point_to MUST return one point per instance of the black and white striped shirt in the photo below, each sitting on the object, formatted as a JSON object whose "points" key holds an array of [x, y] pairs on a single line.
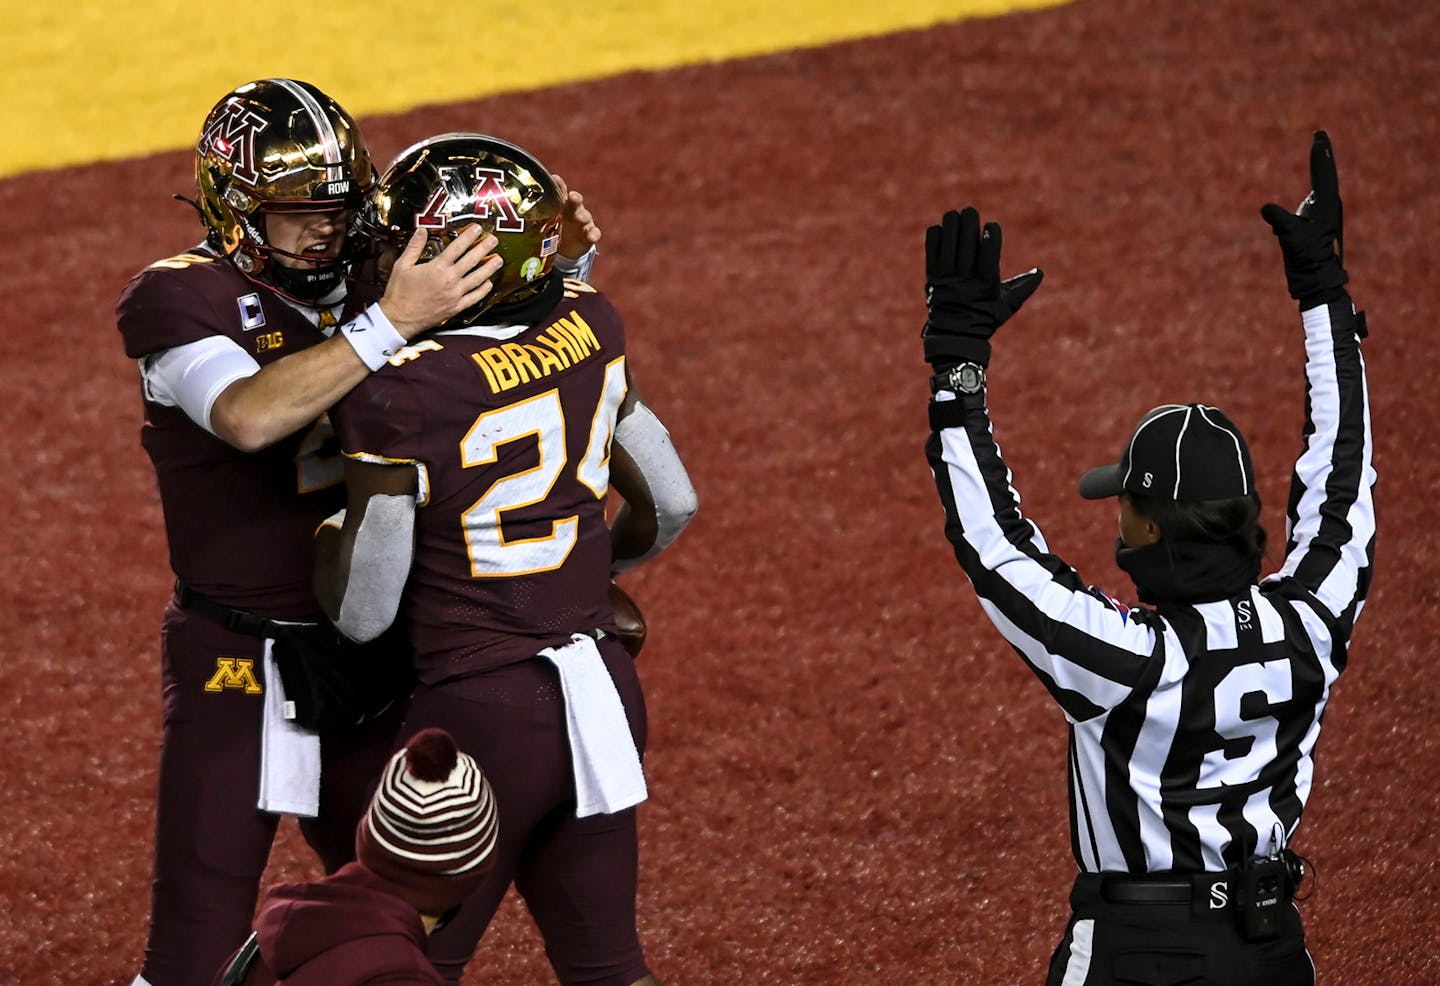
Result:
{"points": [[1192, 728]]}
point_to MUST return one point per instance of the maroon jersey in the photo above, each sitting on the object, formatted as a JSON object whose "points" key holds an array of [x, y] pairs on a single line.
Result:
{"points": [[512, 439], [240, 525]]}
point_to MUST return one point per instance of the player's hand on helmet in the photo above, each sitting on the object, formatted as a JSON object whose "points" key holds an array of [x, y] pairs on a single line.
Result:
{"points": [[964, 296], [423, 293], [1310, 237], [578, 232]]}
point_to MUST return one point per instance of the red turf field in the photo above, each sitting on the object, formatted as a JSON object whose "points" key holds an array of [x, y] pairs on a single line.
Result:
{"points": [[853, 781]]}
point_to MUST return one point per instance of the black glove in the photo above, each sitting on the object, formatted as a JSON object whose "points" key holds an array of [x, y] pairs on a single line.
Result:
{"points": [[1310, 238], [964, 295], [336, 683]]}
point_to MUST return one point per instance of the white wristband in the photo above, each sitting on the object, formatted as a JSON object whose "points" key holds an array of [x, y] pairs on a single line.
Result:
{"points": [[372, 337], [578, 268]]}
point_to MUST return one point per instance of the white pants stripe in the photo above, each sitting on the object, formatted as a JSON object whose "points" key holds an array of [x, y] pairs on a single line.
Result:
{"points": [[1077, 967]]}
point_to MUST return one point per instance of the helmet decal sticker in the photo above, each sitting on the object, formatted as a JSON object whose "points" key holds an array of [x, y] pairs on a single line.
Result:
{"points": [[232, 136], [490, 191], [489, 194], [531, 268], [433, 215]]}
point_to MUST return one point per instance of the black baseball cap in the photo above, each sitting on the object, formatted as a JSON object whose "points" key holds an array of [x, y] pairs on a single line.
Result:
{"points": [[1178, 452]]}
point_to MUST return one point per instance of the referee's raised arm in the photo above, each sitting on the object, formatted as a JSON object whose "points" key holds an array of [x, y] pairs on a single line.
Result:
{"points": [[1330, 518]]}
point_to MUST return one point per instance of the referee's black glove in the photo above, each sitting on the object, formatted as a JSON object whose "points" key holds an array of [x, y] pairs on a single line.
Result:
{"points": [[1310, 238], [964, 296]]}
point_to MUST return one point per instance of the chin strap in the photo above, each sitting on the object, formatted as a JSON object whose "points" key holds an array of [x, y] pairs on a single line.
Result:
{"points": [[191, 203], [305, 285]]}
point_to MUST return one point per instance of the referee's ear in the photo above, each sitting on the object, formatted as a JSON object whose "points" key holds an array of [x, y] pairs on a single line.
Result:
{"points": [[1136, 529]]}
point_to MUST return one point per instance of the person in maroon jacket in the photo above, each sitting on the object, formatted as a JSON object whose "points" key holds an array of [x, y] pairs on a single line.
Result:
{"points": [[242, 343], [422, 848], [480, 462]]}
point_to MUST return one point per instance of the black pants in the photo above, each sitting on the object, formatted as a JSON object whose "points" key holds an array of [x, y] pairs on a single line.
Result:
{"points": [[1172, 944]]}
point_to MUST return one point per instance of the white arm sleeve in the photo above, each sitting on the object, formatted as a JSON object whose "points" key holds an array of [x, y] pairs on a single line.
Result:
{"points": [[647, 442], [192, 376], [379, 566]]}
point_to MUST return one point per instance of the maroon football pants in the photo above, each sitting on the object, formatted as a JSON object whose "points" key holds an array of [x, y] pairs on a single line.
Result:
{"points": [[577, 876], [211, 842]]}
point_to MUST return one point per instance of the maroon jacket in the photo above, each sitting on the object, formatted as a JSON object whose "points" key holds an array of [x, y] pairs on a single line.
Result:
{"points": [[348, 929]]}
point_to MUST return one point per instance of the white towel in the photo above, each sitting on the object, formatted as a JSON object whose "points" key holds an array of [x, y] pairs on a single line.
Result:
{"points": [[608, 777], [289, 754]]}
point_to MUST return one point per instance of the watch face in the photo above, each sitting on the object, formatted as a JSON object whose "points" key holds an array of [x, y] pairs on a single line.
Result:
{"points": [[968, 378]]}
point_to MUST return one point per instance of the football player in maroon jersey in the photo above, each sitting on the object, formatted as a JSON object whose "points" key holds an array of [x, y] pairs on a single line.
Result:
{"points": [[242, 343], [479, 466]]}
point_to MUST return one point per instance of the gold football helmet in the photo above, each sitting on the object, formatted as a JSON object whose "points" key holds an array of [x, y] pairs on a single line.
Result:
{"points": [[452, 181], [276, 145]]}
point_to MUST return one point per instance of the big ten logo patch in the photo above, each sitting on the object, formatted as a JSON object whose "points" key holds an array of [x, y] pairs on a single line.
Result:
{"points": [[234, 672], [266, 341]]}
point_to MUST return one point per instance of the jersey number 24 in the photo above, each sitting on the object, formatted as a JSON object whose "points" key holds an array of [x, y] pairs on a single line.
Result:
{"points": [[492, 554]]}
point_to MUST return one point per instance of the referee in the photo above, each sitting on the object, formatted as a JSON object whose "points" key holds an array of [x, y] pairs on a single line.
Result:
{"points": [[1193, 719]]}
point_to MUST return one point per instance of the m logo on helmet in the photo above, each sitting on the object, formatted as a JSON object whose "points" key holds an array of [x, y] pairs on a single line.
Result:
{"points": [[487, 199], [490, 194], [231, 135]]}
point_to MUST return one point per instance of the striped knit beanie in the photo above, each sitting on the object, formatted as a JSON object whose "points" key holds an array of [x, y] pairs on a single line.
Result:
{"points": [[432, 824]]}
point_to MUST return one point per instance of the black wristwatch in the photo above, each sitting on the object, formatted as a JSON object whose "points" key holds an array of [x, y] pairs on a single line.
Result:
{"points": [[965, 378]]}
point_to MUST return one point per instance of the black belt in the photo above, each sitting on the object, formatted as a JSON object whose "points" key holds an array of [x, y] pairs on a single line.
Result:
{"points": [[235, 620], [1178, 888], [240, 621]]}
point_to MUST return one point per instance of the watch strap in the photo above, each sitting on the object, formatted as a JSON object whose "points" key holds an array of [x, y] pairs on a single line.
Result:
{"points": [[951, 379]]}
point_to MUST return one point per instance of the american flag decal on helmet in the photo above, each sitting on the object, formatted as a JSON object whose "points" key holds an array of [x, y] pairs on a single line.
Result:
{"points": [[550, 244]]}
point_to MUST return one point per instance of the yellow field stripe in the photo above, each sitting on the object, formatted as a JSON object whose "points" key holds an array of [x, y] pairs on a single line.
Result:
{"points": [[91, 80]]}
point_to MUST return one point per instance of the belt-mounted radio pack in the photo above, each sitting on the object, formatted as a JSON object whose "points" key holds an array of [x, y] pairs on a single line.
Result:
{"points": [[1261, 888]]}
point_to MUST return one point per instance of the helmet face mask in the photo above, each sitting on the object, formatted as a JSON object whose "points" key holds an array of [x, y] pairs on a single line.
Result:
{"points": [[448, 183], [270, 146]]}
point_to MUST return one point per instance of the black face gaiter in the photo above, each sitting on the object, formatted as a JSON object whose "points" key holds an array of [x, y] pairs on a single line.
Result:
{"points": [[1186, 571]]}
